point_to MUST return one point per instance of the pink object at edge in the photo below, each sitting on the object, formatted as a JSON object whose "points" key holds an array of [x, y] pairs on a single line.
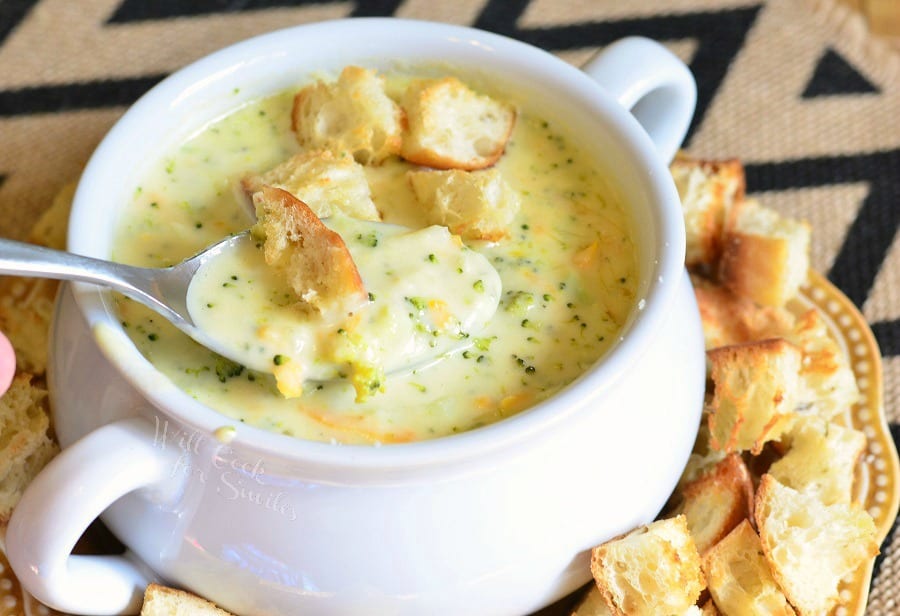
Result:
{"points": [[7, 363]]}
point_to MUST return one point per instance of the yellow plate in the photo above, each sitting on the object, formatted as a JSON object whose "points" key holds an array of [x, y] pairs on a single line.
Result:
{"points": [[877, 484]]}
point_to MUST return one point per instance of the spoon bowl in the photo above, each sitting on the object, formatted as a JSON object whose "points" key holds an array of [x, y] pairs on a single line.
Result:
{"points": [[164, 290]]}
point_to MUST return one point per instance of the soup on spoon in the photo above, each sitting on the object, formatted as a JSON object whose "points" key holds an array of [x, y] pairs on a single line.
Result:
{"points": [[380, 298]]}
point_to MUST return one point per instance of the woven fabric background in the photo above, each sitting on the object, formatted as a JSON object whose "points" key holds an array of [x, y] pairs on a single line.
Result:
{"points": [[797, 89]]}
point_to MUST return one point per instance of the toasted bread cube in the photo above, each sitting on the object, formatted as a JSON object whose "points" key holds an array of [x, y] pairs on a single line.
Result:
{"points": [[717, 501], [821, 460], [353, 115], [592, 604], [811, 546], [707, 190], [26, 310], [828, 384], [654, 569], [164, 601], [51, 228], [756, 388], [476, 205], [325, 181], [450, 126], [739, 578], [26, 446], [703, 457], [709, 609], [728, 319], [765, 257], [312, 257]]}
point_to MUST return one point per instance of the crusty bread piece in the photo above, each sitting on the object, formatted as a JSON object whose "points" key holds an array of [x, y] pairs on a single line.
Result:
{"points": [[828, 384], [26, 309], [703, 456], [821, 460], [450, 126], [476, 205], [51, 228], [810, 546], [325, 181], [312, 257], [739, 578], [25, 442], [717, 501], [756, 387], [592, 604], [709, 609], [707, 190], [765, 256], [353, 115], [164, 601], [654, 569], [728, 319]]}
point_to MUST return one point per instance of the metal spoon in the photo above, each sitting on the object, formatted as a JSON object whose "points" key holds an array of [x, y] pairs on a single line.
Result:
{"points": [[163, 290]]}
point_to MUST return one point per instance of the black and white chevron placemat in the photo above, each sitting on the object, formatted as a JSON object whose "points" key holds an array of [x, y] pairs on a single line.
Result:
{"points": [[794, 88]]}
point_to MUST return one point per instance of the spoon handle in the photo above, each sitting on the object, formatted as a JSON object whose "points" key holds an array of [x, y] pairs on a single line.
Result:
{"points": [[22, 259]]}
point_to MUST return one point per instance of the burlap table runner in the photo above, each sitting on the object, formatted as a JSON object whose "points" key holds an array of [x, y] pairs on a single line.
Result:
{"points": [[795, 88]]}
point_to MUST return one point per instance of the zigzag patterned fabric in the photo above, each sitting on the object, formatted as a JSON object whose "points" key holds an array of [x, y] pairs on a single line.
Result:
{"points": [[794, 88]]}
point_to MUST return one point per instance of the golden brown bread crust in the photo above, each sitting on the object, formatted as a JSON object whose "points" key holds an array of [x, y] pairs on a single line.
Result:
{"points": [[739, 578], [324, 181], [352, 115], [765, 256], [162, 600], [630, 587], [729, 319], [810, 547], [448, 126], [708, 189], [756, 386], [717, 501], [313, 257]]}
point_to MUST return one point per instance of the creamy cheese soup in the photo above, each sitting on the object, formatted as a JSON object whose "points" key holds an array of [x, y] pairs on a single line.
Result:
{"points": [[567, 271], [427, 294]]}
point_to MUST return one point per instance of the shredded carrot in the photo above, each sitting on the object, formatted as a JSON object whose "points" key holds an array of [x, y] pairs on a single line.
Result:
{"points": [[345, 423], [586, 256]]}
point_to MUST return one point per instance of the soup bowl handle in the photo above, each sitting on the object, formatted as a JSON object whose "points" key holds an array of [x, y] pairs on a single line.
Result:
{"points": [[652, 83], [61, 503]]}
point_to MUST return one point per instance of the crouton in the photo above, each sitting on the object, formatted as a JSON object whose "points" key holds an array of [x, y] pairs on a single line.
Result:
{"points": [[728, 319], [811, 546], [654, 569], [703, 457], [51, 228], [717, 501], [765, 257], [821, 460], [449, 126], [26, 309], [477, 205], [828, 384], [26, 445], [739, 578], [707, 190], [325, 181], [756, 387], [353, 115], [164, 601], [709, 609], [312, 257], [592, 604]]}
